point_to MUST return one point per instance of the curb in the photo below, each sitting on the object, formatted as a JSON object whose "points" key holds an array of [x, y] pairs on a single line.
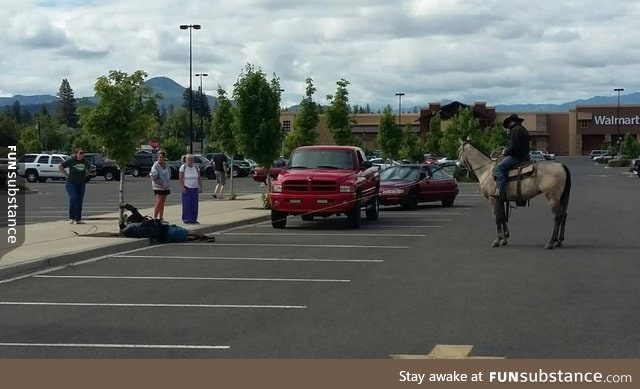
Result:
{"points": [[40, 264]]}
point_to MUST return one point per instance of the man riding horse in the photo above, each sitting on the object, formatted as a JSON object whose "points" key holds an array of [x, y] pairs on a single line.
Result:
{"points": [[517, 151]]}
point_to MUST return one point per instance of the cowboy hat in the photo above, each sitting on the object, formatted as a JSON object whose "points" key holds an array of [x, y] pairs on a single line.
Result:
{"points": [[512, 119]]}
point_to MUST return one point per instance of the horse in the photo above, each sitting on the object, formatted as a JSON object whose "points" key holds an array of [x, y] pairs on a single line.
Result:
{"points": [[549, 178]]}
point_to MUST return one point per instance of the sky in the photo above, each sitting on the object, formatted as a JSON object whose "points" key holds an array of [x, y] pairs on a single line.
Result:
{"points": [[498, 52]]}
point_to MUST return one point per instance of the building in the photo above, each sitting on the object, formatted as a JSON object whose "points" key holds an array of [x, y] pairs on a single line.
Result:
{"points": [[577, 132]]}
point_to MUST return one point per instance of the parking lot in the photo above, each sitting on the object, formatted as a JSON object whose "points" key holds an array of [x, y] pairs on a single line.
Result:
{"points": [[401, 285]]}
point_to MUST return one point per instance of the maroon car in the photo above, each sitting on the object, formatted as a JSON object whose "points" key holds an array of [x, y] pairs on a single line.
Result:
{"points": [[408, 185]]}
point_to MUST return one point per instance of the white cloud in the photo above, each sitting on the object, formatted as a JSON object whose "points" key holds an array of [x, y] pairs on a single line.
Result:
{"points": [[496, 51]]}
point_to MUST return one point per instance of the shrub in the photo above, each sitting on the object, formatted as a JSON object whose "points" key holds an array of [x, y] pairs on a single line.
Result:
{"points": [[622, 162]]}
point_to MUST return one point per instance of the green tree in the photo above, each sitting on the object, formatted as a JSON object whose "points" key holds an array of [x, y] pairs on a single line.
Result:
{"points": [[304, 126], [434, 138], [28, 141], [66, 106], [177, 125], [410, 148], [86, 141], [339, 121], [462, 126], [175, 148], [221, 132], [496, 137], [258, 130], [123, 116], [629, 146], [389, 134]]}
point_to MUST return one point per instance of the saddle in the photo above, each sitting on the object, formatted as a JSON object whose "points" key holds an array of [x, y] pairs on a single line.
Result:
{"points": [[519, 172]]}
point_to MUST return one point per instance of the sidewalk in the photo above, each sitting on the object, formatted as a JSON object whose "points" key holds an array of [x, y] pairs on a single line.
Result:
{"points": [[55, 243]]}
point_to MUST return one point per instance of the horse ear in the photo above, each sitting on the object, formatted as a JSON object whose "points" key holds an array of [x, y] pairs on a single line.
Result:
{"points": [[460, 141]]}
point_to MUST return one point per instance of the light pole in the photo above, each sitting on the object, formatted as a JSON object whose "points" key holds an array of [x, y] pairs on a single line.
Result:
{"points": [[201, 110], [400, 94], [618, 120], [282, 129], [190, 27]]}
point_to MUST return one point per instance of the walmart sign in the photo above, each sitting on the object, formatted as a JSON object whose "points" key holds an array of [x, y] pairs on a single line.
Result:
{"points": [[613, 120]]}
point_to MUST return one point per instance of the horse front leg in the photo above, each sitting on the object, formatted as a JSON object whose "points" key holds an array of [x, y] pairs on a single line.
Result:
{"points": [[563, 221], [498, 212], [505, 234]]}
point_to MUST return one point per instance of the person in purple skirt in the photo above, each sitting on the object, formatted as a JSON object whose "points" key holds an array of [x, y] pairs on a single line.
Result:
{"points": [[191, 185]]}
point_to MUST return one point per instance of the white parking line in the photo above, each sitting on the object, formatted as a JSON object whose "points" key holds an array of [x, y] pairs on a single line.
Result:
{"points": [[399, 226], [320, 233], [123, 305], [102, 345], [339, 246], [250, 258], [193, 278]]}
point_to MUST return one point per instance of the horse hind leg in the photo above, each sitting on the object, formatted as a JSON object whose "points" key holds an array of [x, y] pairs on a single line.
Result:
{"points": [[505, 234], [563, 221], [556, 231], [500, 236]]}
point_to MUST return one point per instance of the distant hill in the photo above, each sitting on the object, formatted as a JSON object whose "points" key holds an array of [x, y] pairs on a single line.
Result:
{"points": [[172, 93], [170, 90]]}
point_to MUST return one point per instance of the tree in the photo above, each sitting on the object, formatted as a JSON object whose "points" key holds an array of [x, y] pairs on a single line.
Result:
{"points": [[629, 146], [124, 114], [66, 106], [339, 121], [28, 141], [410, 149], [462, 126], [221, 132], [389, 134], [258, 130], [434, 138], [177, 125], [304, 126]]}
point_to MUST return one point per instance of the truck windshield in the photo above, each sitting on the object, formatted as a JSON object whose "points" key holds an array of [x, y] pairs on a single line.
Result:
{"points": [[323, 159]]}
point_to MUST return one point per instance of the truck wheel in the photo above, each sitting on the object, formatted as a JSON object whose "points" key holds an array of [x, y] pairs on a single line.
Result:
{"points": [[373, 211], [135, 172], [307, 218], [235, 172], [278, 219], [109, 175], [210, 174], [31, 175], [353, 216]]}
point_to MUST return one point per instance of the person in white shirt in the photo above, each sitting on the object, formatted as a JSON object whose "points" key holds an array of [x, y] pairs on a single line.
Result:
{"points": [[191, 185]]}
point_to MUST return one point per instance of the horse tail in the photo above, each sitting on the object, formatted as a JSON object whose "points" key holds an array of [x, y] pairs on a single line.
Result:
{"points": [[564, 198]]}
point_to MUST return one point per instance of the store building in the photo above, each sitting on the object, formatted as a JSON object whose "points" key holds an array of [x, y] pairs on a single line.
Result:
{"points": [[577, 132]]}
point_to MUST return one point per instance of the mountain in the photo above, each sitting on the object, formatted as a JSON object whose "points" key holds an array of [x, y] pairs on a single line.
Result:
{"points": [[632, 98], [171, 91], [27, 100]]}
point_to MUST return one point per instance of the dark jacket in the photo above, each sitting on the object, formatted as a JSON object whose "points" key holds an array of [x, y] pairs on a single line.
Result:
{"points": [[518, 146]]}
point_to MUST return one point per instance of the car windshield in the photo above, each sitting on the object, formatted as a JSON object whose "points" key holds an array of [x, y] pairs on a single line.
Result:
{"points": [[324, 159], [400, 173]]}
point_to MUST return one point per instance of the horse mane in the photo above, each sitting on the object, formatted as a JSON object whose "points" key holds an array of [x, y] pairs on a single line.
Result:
{"points": [[477, 148]]}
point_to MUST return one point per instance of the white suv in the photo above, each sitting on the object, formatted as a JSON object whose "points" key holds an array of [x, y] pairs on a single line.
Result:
{"points": [[39, 167]]}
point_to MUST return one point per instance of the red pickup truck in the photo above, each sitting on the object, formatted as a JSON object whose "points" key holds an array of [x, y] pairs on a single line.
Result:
{"points": [[325, 181]]}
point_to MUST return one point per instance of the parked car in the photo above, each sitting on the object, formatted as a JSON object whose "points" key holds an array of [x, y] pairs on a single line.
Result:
{"points": [[104, 167], [40, 167], [241, 168], [142, 163], [537, 156], [408, 185], [597, 153]]}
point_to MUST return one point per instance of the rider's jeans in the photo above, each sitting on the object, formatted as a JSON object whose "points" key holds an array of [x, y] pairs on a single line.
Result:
{"points": [[502, 172]]}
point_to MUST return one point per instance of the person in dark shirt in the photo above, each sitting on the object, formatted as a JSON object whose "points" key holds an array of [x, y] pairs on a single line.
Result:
{"points": [[517, 151], [78, 169], [220, 167]]}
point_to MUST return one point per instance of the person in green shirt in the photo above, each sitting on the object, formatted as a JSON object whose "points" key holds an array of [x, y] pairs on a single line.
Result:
{"points": [[75, 169]]}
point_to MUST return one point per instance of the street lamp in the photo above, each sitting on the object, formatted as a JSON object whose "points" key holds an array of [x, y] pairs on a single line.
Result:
{"points": [[400, 94], [201, 110], [618, 120], [282, 130], [190, 27]]}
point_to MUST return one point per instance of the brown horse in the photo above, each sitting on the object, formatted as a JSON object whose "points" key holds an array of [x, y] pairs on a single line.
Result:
{"points": [[549, 178]]}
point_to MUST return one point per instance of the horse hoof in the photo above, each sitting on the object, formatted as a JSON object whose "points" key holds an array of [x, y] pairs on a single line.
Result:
{"points": [[503, 242], [548, 246], [495, 243], [558, 244]]}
